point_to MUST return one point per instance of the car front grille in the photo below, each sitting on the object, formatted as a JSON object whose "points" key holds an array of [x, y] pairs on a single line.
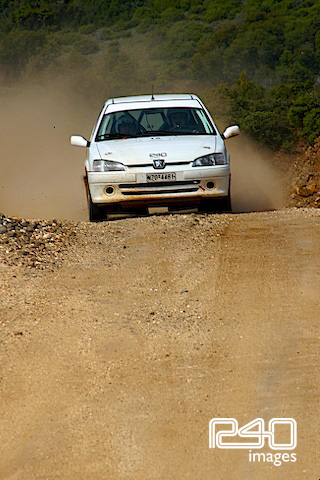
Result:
{"points": [[168, 164], [159, 188]]}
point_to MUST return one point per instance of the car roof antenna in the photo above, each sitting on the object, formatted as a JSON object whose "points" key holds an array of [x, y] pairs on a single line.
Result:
{"points": [[152, 96]]}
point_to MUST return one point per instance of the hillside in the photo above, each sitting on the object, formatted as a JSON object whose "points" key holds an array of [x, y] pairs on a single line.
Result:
{"points": [[261, 61]]}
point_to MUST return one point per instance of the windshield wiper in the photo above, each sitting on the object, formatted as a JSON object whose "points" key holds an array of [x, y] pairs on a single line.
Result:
{"points": [[115, 135], [166, 132], [154, 132]]}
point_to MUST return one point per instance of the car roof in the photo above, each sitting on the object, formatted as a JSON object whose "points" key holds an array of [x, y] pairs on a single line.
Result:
{"points": [[155, 97]]}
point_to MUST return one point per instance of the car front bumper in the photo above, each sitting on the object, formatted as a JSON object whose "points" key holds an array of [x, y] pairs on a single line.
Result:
{"points": [[193, 183]]}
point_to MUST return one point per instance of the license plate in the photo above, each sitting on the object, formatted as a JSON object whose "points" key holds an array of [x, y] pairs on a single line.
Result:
{"points": [[161, 177]]}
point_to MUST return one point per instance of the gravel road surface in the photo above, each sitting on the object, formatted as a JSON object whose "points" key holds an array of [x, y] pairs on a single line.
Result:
{"points": [[120, 341]]}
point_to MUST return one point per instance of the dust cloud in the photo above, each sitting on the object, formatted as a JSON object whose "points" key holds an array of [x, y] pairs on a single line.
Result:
{"points": [[257, 184], [41, 173]]}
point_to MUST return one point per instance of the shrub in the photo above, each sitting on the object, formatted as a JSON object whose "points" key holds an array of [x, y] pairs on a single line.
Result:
{"points": [[171, 15], [17, 47], [311, 125], [87, 29], [85, 46], [259, 112]]}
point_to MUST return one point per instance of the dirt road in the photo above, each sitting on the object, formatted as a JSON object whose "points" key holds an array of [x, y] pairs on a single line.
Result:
{"points": [[113, 364]]}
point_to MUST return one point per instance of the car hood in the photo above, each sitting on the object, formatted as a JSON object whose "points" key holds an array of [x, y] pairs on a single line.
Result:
{"points": [[135, 151]]}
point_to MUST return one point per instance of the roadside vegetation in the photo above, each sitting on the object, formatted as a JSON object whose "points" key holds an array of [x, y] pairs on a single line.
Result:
{"points": [[256, 64]]}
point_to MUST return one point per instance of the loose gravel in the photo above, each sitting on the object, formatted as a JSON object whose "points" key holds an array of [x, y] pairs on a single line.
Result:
{"points": [[39, 244]]}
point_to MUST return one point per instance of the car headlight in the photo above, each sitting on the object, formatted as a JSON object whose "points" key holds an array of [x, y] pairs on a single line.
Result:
{"points": [[107, 166], [209, 160]]}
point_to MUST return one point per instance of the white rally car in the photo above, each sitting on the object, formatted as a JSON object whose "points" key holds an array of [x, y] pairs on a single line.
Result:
{"points": [[156, 151]]}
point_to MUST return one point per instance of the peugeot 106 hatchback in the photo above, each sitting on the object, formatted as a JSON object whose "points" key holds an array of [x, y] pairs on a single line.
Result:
{"points": [[156, 151]]}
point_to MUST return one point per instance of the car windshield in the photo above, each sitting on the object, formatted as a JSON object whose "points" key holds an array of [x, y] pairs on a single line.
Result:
{"points": [[155, 121]]}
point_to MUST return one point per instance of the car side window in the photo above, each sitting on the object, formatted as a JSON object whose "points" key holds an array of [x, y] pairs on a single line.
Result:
{"points": [[205, 122]]}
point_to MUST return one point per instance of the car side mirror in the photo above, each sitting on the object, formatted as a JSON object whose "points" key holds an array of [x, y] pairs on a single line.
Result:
{"points": [[79, 141], [231, 132]]}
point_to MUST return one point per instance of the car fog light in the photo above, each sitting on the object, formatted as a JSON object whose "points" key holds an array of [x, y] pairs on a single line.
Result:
{"points": [[210, 185], [109, 190]]}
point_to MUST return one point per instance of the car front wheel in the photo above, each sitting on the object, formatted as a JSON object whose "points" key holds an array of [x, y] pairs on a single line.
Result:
{"points": [[217, 205], [224, 204], [96, 214]]}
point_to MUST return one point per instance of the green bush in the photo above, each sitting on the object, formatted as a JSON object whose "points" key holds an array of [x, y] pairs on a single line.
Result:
{"points": [[67, 38], [311, 125], [217, 10], [105, 33], [161, 5], [85, 46], [144, 25], [259, 113], [87, 29], [172, 15], [16, 49], [32, 14]]}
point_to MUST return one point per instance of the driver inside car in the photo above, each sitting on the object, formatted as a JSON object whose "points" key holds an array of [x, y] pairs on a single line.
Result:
{"points": [[128, 126], [178, 120]]}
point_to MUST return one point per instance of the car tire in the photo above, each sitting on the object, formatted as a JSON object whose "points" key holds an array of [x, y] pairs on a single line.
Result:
{"points": [[217, 205], [96, 214], [224, 204]]}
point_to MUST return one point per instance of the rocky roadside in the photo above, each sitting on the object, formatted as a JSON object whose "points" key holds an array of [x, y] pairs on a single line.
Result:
{"points": [[306, 178], [47, 244], [38, 244]]}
